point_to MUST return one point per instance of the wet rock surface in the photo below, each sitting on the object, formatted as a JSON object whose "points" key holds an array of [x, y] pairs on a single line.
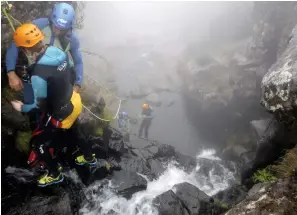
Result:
{"points": [[168, 203], [195, 200], [128, 183], [186, 199], [130, 169], [274, 198]]}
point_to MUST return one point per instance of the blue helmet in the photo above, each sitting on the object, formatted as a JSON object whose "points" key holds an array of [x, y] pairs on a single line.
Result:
{"points": [[63, 16], [123, 114]]}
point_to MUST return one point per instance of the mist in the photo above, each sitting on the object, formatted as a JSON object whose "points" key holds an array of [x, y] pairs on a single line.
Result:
{"points": [[142, 45]]}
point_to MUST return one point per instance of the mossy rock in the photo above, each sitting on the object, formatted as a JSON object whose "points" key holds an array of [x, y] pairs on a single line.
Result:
{"points": [[107, 115], [23, 141]]}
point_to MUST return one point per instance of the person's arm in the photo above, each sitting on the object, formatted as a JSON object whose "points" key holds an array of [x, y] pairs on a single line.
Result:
{"points": [[39, 86], [151, 115], [41, 23], [13, 52], [77, 59]]}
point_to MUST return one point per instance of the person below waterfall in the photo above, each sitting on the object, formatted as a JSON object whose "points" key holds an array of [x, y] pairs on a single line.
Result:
{"points": [[124, 125], [53, 96], [58, 32], [147, 117]]}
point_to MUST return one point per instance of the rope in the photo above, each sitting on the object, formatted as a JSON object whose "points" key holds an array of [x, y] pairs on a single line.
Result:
{"points": [[111, 65], [96, 116], [9, 17]]}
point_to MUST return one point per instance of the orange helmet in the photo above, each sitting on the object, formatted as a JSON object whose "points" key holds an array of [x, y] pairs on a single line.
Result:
{"points": [[27, 35], [145, 106]]}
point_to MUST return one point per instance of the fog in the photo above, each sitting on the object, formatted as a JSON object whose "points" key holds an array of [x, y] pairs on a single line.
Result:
{"points": [[158, 23], [141, 44]]}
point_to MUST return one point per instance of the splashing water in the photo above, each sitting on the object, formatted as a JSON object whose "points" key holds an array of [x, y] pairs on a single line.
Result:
{"points": [[107, 202], [22, 175]]}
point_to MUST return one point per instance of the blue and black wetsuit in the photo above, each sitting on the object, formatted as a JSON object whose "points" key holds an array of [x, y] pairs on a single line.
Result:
{"points": [[146, 122], [54, 96], [50, 79], [74, 49]]}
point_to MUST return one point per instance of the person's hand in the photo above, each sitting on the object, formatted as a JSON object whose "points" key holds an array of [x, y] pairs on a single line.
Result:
{"points": [[76, 88], [17, 105], [14, 81]]}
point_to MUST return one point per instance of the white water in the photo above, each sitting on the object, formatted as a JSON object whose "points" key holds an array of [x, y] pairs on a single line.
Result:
{"points": [[141, 202]]}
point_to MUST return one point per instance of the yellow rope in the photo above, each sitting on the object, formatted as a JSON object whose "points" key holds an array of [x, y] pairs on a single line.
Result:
{"points": [[9, 21]]}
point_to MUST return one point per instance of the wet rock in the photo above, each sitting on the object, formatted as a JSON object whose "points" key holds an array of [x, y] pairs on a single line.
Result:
{"points": [[196, 201], [51, 205], [271, 198], [64, 199], [234, 153], [169, 204], [270, 32], [219, 97], [232, 195], [271, 146], [260, 126], [187, 162], [279, 85], [156, 167], [128, 183], [135, 164], [165, 151], [117, 145]]}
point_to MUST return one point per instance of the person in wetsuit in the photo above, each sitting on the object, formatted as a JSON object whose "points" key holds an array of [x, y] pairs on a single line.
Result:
{"points": [[57, 30], [53, 96], [147, 117]]}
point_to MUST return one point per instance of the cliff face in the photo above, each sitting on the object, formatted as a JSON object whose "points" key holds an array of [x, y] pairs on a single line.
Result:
{"points": [[222, 85]]}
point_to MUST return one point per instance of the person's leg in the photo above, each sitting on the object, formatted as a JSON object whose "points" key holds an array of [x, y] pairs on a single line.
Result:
{"points": [[78, 136], [28, 93], [43, 142], [141, 128], [147, 126], [29, 99]]}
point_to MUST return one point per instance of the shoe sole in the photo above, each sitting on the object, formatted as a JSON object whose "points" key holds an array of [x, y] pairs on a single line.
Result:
{"points": [[90, 164], [55, 182]]}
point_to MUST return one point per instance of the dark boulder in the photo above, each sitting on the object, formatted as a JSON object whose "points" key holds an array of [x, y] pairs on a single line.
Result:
{"points": [[128, 183], [169, 204], [232, 195], [64, 199], [195, 200]]}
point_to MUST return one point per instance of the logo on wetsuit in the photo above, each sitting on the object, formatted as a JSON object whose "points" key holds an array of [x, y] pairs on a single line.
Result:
{"points": [[62, 67]]}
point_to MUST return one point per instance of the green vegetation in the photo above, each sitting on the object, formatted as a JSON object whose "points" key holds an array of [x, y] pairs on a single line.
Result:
{"points": [[264, 175], [283, 169], [222, 205], [286, 167], [22, 141]]}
